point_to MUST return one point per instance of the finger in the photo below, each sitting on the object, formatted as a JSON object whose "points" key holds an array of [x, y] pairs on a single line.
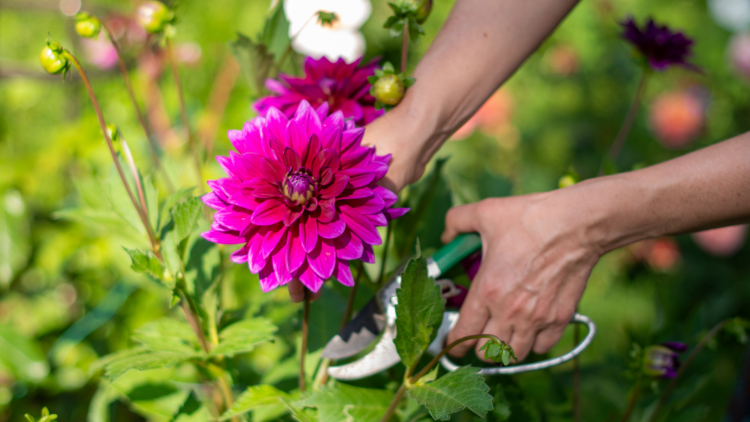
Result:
{"points": [[296, 291], [471, 320], [462, 219], [496, 327], [521, 341], [547, 338]]}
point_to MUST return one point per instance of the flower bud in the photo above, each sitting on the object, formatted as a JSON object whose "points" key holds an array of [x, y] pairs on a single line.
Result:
{"points": [[389, 89], [87, 26], [154, 16], [662, 361], [112, 132], [423, 9], [52, 59]]}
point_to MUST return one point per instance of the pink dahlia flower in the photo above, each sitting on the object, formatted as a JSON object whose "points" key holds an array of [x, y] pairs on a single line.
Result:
{"points": [[343, 86], [301, 197]]}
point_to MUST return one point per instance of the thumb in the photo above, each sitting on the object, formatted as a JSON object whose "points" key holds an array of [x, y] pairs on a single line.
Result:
{"points": [[461, 219]]}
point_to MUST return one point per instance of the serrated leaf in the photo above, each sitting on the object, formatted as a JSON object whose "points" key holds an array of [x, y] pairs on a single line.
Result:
{"points": [[419, 312], [254, 60], [243, 336], [165, 214], [140, 358], [192, 411], [168, 335], [461, 389], [186, 215], [346, 403], [121, 202], [147, 263], [275, 34], [254, 398], [152, 200]]}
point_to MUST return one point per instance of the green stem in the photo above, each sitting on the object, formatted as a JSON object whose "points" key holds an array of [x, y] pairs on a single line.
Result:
{"points": [[303, 347], [183, 114], [141, 119], [385, 254], [394, 403], [447, 349], [691, 357], [627, 124], [141, 212], [634, 393]]}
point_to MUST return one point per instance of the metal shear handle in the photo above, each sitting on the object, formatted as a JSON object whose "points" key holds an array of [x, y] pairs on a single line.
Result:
{"points": [[450, 319]]}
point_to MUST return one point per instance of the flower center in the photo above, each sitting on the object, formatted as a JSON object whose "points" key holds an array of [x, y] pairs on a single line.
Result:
{"points": [[299, 187]]}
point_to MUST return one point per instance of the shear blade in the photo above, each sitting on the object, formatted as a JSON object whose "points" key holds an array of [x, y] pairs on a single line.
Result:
{"points": [[382, 357], [359, 333]]}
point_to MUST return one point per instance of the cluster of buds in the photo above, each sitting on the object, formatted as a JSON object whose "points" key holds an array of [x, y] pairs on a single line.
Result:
{"points": [[88, 26], [388, 87], [155, 17], [327, 19], [498, 351], [52, 58], [412, 13], [658, 361]]}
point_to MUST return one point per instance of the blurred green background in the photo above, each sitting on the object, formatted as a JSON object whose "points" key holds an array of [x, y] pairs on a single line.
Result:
{"points": [[67, 295]]}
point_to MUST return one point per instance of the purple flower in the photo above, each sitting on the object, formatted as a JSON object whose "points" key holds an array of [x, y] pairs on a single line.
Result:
{"points": [[342, 86], [663, 360], [659, 45], [301, 197]]}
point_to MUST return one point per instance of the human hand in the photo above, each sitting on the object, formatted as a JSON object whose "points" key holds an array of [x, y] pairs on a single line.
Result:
{"points": [[536, 260]]}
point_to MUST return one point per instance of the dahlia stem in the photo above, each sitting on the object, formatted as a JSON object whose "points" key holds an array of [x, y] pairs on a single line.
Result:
{"points": [[226, 392], [303, 347], [394, 403], [627, 124], [635, 392], [138, 112], [136, 175], [405, 46], [576, 377], [385, 254], [691, 357], [103, 125], [191, 314], [183, 113]]}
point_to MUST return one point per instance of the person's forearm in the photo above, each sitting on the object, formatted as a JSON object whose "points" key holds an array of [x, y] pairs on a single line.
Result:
{"points": [[480, 46], [705, 189]]}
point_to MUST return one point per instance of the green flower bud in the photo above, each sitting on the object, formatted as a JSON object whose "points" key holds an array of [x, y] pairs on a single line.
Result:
{"points": [[112, 132], [154, 16], [567, 180], [422, 9], [87, 26], [389, 89], [52, 60]]}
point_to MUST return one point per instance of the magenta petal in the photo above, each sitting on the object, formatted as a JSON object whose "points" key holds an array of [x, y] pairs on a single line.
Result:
{"points": [[240, 255], [291, 215], [339, 184], [292, 159], [273, 171], [327, 210], [394, 213], [334, 120], [272, 238], [326, 157], [276, 123], [368, 255], [361, 226], [295, 256], [307, 118], [308, 233], [331, 230], [255, 258], [323, 258], [389, 198], [371, 205], [358, 193], [222, 238], [213, 201], [308, 277], [232, 218], [269, 212], [352, 138], [358, 178], [279, 264], [313, 148], [297, 137], [322, 111], [267, 191], [326, 175], [378, 219], [348, 246], [268, 280], [343, 274], [330, 138]]}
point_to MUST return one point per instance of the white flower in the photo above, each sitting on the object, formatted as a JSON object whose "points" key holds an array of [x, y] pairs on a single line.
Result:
{"points": [[733, 15], [342, 39]]}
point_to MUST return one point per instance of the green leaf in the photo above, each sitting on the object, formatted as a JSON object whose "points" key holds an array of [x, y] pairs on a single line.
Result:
{"points": [[344, 403], [419, 312], [15, 245], [243, 336], [186, 216], [192, 411], [254, 398], [255, 61], [22, 355], [498, 351], [147, 263], [165, 215], [325, 318], [461, 389], [152, 201], [168, 335], [120, 200], [275, 34], [140, 358]]}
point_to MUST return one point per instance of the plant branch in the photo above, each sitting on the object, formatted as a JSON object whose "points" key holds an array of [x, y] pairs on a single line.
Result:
{"points": [[129, 86], [183, 114], [447, 349], [388, 231], [303, 348], [394, 403], [191, 314], [691, 357], [103, 125], [634, 394], [627, 124]]}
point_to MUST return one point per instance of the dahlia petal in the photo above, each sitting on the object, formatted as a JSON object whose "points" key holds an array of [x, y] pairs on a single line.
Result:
{"points": [[295, 255], [313, 148], [326, 157], [224, 188], [351, 138], [389, 198], [308, 233], [213, 201], [277, 149], [358, 178], [348, 246], [272, 238], [255, 183], [292, 159], [335, 120], [296, 137], [254, 164], [308, 277], [276, 123], [327, 210], [237, 139], [380, 169], [368, 255], [275, 86], [322, 111], [350, 193], [330, 138], [268, 279], [267, 191], [371, 205], [308, 118], [335, 189], [240, 255], [273, 171], [360, 225], [343, 274], [222, 238], [331, 230], [255, 259], [322, 259], [269, 212], [279, 264], [394, 213], [291, 215], [352, 109], [241, 199], [383, 158], [378, 219], [232, 218], [356, 157], [326, 175]]}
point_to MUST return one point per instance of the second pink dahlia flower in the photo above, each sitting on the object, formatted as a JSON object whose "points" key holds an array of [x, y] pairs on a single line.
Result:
{"points": [[343, 86], [301, 197]]}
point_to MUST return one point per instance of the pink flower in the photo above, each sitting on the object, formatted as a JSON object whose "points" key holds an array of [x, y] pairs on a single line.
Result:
{"points": [[724, 241], [677, 119], [301, 197], [342, 86]]}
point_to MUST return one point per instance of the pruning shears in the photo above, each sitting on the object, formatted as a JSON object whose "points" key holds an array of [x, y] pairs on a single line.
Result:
{"points": [[378, 319]]}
